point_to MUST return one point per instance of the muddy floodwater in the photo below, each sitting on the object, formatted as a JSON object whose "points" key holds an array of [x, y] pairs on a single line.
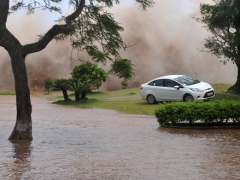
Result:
{"points": [[89, 144]]}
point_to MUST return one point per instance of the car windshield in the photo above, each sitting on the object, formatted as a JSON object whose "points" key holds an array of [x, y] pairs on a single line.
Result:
{"points": [[186, 80]]}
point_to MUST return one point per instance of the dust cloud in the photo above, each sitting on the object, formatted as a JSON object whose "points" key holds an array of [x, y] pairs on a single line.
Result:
{"points": [[167, 39], [163, 40]]}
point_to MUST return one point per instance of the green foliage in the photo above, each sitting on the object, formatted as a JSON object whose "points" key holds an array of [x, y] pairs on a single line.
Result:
{"points": [[97, 27], [48, 84], [145, 3], [123, 68], [222, 20], [220, 111], [60, 84], [98, 34], [32, 5], [76, 85], [89, 73]]}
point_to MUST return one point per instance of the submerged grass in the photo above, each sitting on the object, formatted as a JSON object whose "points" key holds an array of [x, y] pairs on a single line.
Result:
{"points": [[128, 100]]}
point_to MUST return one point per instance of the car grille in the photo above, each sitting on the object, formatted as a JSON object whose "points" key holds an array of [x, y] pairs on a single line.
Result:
{"points": [[209, 94]]}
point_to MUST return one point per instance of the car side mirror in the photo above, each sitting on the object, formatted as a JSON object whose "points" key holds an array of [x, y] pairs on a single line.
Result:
{"points": [[177, 87]]}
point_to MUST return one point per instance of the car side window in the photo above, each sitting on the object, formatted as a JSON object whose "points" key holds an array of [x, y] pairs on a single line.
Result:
{"points": [[158, 82], [170, 83], [151, 83]]}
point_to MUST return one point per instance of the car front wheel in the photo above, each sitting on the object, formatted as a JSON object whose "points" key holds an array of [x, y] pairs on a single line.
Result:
{"points": [[151, 99], [188, 98]]}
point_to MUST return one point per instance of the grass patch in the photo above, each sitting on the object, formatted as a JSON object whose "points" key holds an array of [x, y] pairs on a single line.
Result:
{"points": [[221, 88], [7, 93], [84, 103], [128, 100], [221, 92], [226, 96], [131, 106]]}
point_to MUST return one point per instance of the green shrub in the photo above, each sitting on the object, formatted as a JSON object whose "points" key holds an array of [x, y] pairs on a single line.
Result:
{"points": [[220, 111], [48, 84]]}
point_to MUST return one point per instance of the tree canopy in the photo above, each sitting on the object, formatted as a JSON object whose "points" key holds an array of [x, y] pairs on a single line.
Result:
{"points": [[90, 73], [222, 19]]}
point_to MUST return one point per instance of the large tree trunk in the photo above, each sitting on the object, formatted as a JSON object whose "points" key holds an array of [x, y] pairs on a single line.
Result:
{"points": [[23, 126], [236, 87]]}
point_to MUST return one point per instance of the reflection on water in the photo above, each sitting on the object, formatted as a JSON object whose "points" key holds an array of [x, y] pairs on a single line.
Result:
{"points": [[20, 159], [74, 143]]}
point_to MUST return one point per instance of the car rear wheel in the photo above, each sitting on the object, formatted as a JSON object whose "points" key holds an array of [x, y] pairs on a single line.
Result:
{"points": [[188, 98], [151, 99]]}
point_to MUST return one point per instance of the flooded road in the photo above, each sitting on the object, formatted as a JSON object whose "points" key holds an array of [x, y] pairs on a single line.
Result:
{"points": [[89, 144]]}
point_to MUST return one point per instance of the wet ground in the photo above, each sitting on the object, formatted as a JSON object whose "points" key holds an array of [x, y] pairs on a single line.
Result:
{"points": [[89, 144]]}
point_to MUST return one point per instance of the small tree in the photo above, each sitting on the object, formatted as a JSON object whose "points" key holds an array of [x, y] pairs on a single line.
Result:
{"points": [[123, 68], [61, 84], [77, 86], [48, 84], [89, 73]]}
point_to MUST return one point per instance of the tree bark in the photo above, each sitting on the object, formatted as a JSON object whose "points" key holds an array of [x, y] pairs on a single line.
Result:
{"points": [[77, 96], [83, 95], [236, 23], [236, 87], [65, 95], [23, 126]]}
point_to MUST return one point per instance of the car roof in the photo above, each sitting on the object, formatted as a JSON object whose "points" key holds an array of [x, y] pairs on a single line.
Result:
{"points": [[169, 77]]}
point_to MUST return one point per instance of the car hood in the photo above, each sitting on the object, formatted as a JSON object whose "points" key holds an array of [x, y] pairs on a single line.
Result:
{"points": [[201, 85]]}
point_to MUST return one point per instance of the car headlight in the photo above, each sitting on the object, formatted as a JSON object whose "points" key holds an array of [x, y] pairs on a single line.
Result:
{"points": [[196, 89]]}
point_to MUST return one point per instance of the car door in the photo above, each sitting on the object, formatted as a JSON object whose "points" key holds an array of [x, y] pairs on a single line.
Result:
{"points": [[171, 93], [157, 89]]}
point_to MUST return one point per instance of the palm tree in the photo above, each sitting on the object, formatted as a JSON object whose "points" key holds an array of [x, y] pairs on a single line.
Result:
{"points": [[77, 86]]}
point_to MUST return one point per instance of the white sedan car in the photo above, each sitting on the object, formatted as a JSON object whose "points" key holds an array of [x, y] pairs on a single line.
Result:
{"points": [[175, 88]]}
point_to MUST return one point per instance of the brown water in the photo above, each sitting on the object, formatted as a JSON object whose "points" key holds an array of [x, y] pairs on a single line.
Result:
{"points": [[74, 143]]}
